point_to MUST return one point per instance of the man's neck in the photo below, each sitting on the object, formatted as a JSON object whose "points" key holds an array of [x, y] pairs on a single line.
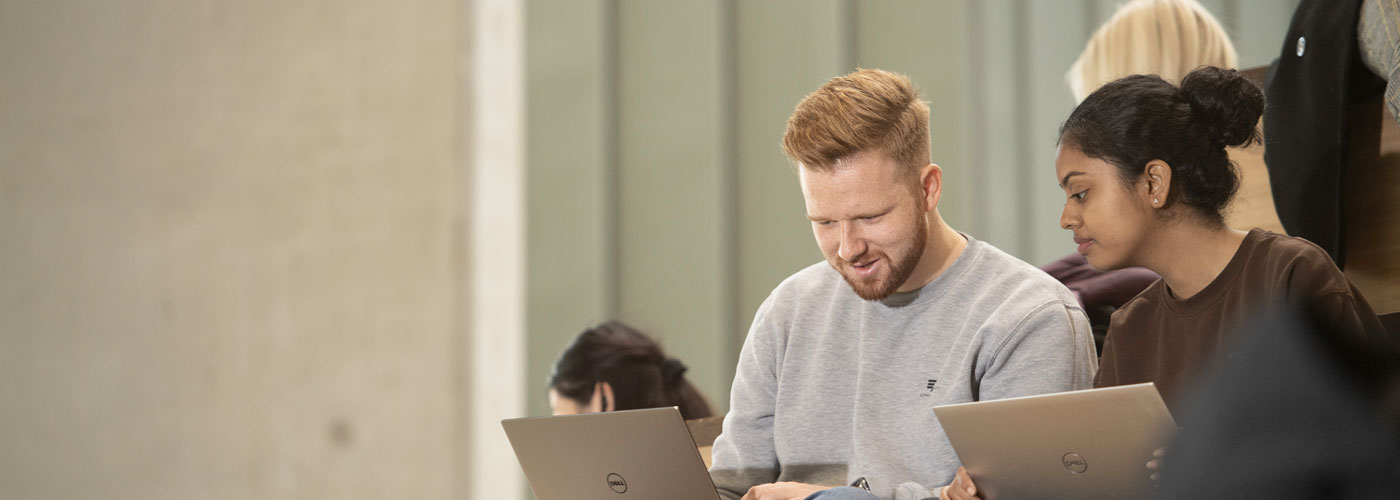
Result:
{"points": [[941, 250]]}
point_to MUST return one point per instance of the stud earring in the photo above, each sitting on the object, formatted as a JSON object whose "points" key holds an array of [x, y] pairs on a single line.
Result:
{"points": [[1154, 201]]}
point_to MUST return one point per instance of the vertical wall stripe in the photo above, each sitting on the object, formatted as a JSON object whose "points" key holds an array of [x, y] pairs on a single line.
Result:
{"points": [[571, 173], [461, 343], [1025, 158], [670, 160], [997, 157], [978, 76], [731, 334], [1056, 30], [497, 277], [612, 140], [849, 19]]}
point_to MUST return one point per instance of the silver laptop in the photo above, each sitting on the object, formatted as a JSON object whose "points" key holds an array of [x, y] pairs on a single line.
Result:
{"points": [[1080, 444], [636, 454]]}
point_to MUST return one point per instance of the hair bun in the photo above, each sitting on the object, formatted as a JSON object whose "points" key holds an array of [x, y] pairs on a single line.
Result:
{"points": [[671, 370], [1224, 105]]}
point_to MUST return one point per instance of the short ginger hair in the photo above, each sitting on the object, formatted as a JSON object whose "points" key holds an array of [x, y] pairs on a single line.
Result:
{"points": [[867, 110]]}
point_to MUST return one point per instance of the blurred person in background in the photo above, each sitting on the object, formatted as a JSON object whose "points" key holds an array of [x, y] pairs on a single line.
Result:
{"points": [[613, 367], [1168, 38], [1301, 412]]}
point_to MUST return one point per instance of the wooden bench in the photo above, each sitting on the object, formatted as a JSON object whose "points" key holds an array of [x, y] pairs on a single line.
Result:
{"points": [[704, 431]]}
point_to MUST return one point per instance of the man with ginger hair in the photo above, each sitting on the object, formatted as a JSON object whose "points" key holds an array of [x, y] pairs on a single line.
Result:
{"points": [[846, 359]]}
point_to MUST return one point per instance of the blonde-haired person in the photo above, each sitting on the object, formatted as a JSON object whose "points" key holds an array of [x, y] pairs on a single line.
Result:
{"points": [[846, 359], [1168, 38]]}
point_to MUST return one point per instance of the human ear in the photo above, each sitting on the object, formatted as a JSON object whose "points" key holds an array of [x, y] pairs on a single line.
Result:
{"points": [[1158, 178], [608, 402], [931, 185]]}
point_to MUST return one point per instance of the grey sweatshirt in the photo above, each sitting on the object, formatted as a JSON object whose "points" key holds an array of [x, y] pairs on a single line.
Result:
{"points": [[831, 387]]}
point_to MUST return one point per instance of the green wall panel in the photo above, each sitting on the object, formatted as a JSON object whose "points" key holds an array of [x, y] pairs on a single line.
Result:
{"points": [[996, 90], [569, 174], [674, 231]]}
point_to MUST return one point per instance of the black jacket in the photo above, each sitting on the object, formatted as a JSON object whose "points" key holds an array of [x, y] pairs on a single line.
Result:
{"points": [[1316, 77]]}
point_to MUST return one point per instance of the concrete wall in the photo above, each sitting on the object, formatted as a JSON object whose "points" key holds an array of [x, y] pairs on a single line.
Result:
{"points": [[233, 250]]}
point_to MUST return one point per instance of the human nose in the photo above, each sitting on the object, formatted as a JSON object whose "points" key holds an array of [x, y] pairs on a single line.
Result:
{"points": [[1068, 219], [852, 245]]}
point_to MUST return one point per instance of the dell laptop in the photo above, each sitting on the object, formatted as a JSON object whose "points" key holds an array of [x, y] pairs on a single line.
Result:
{"points": [[634, 454], [1070, 445]]}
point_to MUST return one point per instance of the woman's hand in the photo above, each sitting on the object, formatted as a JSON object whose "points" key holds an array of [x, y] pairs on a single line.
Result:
{"points": [[1154, 466]]}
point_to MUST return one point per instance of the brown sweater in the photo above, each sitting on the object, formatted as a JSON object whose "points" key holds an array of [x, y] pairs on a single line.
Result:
{"points": [[1159, 338]]}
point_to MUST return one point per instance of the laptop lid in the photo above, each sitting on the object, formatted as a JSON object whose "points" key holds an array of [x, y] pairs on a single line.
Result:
{"points": [[1080, 444], [621, 455]]}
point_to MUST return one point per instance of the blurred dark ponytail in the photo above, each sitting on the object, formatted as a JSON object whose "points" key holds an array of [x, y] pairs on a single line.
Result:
{"points": [[641, 375], [1134, 120]]}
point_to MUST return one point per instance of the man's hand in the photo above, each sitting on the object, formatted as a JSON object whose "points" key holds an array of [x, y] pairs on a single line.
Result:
{"points": [[961, 488], [782, 491]]}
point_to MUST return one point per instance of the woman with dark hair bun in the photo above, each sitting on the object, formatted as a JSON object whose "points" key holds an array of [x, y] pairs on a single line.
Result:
{"points": [[1144, 167], [1147, 177], [615, 367]]}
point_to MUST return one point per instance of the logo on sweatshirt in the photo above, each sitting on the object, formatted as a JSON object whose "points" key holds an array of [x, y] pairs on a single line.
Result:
{"points": [[930, 386]]}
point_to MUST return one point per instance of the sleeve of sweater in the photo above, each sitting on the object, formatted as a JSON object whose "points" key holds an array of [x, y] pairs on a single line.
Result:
{"points": [[1049, 350], [1348, 313], [1319, 289], [744, 453]]}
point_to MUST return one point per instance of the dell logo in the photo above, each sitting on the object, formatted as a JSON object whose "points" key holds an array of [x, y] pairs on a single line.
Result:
{"points": [[1075, 463], [617, 483]]}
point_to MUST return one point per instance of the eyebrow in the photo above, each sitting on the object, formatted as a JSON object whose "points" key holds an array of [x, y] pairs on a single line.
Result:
{"points": [[1065, 180]]}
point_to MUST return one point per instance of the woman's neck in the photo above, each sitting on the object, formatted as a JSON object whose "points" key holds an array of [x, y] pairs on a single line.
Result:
{"points": [[1190, 256]]}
